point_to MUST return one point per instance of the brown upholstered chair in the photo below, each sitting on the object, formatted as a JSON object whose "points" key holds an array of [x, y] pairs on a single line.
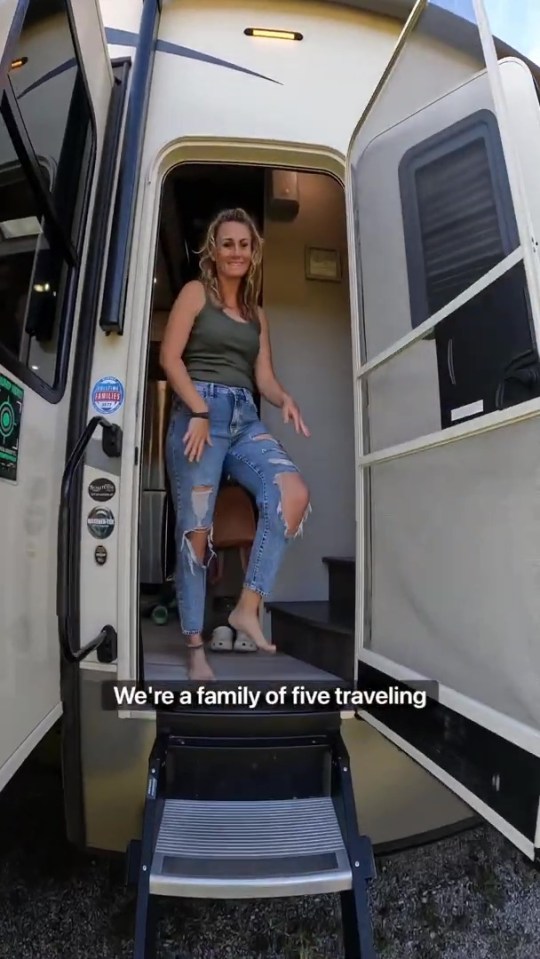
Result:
{"points": [[234, 527]]}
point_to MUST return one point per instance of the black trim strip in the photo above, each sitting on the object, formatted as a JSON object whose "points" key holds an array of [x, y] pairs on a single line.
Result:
{"points": [[114, 296], [502, 775], [84, 353]]}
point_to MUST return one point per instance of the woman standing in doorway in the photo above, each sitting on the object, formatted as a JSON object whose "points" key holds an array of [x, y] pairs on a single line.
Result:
{"points": [[215, 353]]}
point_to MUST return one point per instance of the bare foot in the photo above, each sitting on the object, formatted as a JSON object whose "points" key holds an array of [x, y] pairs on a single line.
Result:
{"points": [[198, 668], [249, 624]]}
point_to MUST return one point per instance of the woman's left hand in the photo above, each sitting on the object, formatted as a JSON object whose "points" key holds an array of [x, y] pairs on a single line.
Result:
{"points": [[291, 411]]}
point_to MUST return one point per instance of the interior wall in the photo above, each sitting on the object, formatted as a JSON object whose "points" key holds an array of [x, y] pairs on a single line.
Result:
{"points": [[157, 327], [311, 344]]}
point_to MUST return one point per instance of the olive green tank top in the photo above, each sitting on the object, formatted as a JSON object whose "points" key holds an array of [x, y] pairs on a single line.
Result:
{"points": [[222, 350]]}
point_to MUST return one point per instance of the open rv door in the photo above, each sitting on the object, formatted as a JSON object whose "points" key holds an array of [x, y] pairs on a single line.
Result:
{"points": [[444, 218], [57, 92]]}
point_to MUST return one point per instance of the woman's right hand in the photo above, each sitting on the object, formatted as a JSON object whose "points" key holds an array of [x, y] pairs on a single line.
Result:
{"points": [[195, 438]]}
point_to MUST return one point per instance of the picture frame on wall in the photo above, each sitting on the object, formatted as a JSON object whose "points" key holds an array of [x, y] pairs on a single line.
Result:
{"points": [[323, 264]]}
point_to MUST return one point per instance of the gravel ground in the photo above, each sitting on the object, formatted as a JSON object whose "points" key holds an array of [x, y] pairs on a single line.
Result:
{"points": [[469, 897]]}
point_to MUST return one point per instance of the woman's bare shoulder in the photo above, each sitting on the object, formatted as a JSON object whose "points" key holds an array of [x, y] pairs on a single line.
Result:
{"points": [[192, 294]]}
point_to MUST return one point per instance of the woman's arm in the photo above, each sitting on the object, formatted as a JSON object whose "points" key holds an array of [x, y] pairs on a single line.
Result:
{"points": [[182, 316]]}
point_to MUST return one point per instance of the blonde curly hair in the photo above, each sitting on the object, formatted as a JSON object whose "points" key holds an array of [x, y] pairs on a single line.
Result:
{"points": [[250, 285]]}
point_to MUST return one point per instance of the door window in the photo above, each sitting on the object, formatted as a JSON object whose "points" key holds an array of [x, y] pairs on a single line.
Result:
{"points": [[46, 152]]}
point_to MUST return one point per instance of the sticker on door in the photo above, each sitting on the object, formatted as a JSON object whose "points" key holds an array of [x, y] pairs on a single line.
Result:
{"points": [[101, 489], [100, 522], [11, 404], [107, 395], [100, 555]]}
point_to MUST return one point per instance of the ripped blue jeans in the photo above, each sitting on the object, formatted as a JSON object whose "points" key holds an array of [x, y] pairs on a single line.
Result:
{"points": [[254, 463]]}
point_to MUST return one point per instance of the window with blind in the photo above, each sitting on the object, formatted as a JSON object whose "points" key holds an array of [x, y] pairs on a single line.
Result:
{"points": [[458, 214]]}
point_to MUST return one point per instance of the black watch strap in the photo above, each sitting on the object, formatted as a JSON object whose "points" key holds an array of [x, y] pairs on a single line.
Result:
{"points": [[201, 416]]}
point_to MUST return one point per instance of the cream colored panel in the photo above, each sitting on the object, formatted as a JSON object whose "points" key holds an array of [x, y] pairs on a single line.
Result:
{"points": [[310, 328], [455, 567]]}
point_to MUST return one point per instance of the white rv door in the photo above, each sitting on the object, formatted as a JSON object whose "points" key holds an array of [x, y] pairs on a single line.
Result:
{"points": [[444, 207], [55, 88]]}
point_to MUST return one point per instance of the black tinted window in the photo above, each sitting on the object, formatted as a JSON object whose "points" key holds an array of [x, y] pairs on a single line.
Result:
{"points": [[46, 144]]}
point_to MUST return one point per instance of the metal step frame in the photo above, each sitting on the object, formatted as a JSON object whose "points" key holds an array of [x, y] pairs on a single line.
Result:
{"points": [[352, 851]]}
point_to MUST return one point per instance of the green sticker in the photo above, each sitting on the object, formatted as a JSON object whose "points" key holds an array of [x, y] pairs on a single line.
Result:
{"points": [[11, 404]]}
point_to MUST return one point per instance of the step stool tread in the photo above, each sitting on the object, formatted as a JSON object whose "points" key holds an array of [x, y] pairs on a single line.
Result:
{"points": [[349, 560], [270, 828], [249, 849]]}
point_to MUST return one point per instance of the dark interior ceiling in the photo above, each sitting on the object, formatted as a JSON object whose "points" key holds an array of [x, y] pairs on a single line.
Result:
{"points": [[202, 191], [193, 194]]}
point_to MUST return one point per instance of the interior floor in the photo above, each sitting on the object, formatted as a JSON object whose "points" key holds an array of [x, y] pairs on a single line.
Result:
{"points": [[165, 660]]}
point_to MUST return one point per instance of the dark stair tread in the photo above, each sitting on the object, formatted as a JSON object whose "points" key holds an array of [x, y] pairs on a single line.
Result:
{"points": [[316, 613], [340, 560]]}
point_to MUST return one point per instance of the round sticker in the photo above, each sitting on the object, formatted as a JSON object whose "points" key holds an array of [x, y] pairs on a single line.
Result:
{"points": [[7, 420], [101, 489], [100, 555], [107, 395], [100, 522]]}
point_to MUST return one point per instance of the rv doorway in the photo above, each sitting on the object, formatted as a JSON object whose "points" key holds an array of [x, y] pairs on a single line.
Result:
{"points": [[305, 294], [310, 617]]}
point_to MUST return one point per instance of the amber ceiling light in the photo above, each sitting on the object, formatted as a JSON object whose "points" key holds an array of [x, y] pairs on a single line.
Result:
{"points": [[272, 34]]}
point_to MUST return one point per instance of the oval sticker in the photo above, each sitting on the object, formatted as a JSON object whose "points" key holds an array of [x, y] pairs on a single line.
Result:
{"points": [[101, 489], [107, 395], [100, 522], [100, 555]]}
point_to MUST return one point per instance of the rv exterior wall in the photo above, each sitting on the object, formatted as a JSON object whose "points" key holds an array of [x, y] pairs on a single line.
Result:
{"points": [[125, 16], [312, 91], [114, 755], [7, 12]]}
